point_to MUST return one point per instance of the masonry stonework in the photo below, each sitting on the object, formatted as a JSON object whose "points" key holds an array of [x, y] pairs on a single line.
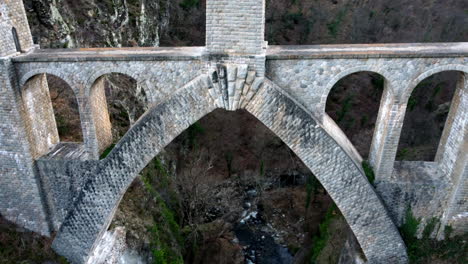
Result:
{"points": [[40, 121], [51, 186], [235, 27], [21, 199], [13, 17]]}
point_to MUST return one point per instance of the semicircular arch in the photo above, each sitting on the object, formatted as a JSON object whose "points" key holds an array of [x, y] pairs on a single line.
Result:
{"points": [[344, 74], [27, 76], [428, 73], [102, 72]]}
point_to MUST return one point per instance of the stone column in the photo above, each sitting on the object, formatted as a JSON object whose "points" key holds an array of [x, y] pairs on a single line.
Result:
{"points": [[386, 134], [39, 118], [451, 140], [452, 157], [100, 116], [87, 125], [97, 128]]}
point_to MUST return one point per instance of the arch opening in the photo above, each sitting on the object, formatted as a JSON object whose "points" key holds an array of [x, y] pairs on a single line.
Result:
{"points": [[354, 103], [117, 101], [249, 186], [16, 39], [284, 117], [429, 113], [52, 115]]}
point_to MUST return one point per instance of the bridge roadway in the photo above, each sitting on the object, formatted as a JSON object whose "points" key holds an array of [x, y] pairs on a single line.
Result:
{"points": [[346, 51]]}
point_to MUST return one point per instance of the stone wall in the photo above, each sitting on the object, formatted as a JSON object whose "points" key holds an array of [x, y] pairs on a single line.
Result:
{"points": [[100, 196], [63, 181], [20, 193], [12, 15], [310, 81], [235, 27]]}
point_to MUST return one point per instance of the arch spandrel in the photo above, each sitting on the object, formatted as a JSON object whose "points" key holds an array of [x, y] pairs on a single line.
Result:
{"points": [[337, 172]]}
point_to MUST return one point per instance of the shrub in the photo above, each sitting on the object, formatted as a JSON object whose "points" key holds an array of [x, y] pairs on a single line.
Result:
{"points": [[107, 151], [333, 27], [412, 102], [320, 241], [187, 4], [368, 171], [427, 249]]}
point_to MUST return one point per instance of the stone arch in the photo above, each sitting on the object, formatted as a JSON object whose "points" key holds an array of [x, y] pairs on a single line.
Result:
{"points": [[452, 133], [361, 132], [417, 79], [338, 173], [96, 93], [123, 70], [49, 121], [49, 71], [344, 74]]}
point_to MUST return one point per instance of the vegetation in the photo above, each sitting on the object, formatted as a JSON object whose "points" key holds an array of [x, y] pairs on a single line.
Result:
{"points": [[24, 247], [166, 238], [402, 154], [193, 131], [345, 108], [187, 4], [412, 102], [320, 241], [378, 82], [63, 127], [426, 248], [229, 157], [368, 171], [334, 26], [312, 186], [107, 151]]}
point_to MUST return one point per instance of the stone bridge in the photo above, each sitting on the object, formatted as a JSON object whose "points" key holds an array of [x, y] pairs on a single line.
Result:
{"points": [[62, 188]]}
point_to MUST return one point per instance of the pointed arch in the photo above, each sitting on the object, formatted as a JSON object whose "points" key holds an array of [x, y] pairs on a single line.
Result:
{"points": [[337, 172]]}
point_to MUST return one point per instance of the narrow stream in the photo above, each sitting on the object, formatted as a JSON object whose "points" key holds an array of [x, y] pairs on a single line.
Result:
{"points": [[257, 237]]}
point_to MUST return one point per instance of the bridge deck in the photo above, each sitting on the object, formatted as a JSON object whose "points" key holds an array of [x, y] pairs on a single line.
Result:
{"points": [[417, 50], [66, 151], [400, 50], [112, 54]]}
